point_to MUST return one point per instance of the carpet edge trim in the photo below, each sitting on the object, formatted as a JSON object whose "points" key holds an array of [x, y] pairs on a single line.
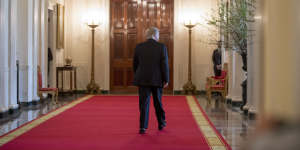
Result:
{"points": [[27, 127], [217, 132], [211, 136]]}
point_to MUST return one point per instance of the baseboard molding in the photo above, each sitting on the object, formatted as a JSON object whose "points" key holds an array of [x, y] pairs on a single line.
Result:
{"points": [[9, 113], [236, 103], [246, 112], [85, 92], [104, 92], [4, 114], [228, 100], [252, 115], [180, 92], [32, 103]]}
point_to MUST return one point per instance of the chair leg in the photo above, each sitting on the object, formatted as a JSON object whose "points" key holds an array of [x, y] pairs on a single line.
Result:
{"points": [[53, 96], [223, 96], [208, 94], [56, 96]]}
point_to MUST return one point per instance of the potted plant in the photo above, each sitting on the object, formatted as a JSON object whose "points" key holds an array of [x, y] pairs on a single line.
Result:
{"points": [[232, 19]]}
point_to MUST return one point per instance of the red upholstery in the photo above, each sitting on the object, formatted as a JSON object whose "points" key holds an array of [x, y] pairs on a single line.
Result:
{"points": [[41, 83], [222, 76], [48, 89], [216, 87], [53, 91], [218, 84]]}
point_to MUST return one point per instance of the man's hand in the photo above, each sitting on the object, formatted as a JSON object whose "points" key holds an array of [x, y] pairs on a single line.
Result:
{"points": [[219, 67], [166, 85]]}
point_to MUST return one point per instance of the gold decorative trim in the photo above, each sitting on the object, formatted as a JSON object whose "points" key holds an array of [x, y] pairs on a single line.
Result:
{"points": [[211, 137], [18, 132], [60, 34]]}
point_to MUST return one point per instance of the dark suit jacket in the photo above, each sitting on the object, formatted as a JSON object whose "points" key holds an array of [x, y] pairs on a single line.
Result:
{"points": [[217, 57], [150, 64]]}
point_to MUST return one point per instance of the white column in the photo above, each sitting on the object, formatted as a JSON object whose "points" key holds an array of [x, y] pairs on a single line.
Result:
{"points": [[237, 76], [255, 62], [52, 43], [36, 47], [23, 48], [230, 81], [44, 41], [4, 49], [12, 54], [29, 53], [250, 69]]}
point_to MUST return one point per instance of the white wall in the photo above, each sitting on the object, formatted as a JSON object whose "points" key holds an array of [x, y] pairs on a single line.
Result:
{"points": [[78, 42]]}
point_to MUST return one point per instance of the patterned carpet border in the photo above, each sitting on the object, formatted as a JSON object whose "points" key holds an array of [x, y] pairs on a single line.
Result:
{"points": [[213, 138]]}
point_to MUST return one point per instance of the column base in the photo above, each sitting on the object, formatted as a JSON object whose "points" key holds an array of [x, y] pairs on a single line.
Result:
{"points": [[3, 109], [245, 108], [236, 101], [14, 106], [252, 113], [36, 98]]}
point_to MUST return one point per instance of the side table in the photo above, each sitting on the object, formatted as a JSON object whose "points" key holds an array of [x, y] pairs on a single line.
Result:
{"points": [[72, 71]]}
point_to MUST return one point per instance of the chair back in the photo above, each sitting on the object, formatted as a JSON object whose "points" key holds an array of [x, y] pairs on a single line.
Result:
{"points": [[225, 67]]}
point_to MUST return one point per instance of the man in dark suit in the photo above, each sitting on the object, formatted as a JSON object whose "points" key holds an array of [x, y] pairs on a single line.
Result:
{"points": [[151, 75], [217, 59]]}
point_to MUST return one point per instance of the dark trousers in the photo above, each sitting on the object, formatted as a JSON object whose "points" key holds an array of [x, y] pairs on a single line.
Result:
{"points": [[144, 101], [217, 71]]}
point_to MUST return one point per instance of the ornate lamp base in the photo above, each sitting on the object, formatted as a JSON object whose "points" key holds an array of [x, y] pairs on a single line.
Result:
{"points": [[93, 88], [189, 88]]}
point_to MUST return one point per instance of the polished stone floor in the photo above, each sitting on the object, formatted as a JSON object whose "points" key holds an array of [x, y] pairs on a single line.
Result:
{"points": [[234, 126], [230, 121]]}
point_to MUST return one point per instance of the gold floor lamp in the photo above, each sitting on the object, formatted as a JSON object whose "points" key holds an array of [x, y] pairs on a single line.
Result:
{"points": [[189, 87], [93, 87]]}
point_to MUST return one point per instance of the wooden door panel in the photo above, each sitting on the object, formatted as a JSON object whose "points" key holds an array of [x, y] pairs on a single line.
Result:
{"points": [[151, 14], [118, 45], [132, 17], [129, 21], [130, 76], [132, 41], [117, 9], [118, 73], [166, 14]]}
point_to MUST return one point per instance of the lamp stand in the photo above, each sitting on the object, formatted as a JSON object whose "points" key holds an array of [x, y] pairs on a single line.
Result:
{"points": [[189, 87], [93, 87]]}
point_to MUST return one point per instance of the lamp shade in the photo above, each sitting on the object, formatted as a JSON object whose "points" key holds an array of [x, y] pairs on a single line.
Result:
{"points": [[92, 18]]}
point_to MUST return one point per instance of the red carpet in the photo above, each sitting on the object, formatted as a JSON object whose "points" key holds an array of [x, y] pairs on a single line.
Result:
{"points": [[112, 123]]}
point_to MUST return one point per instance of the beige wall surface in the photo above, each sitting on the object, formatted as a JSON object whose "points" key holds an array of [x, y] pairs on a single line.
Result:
{"points": [[281, 76], [78, 42]]}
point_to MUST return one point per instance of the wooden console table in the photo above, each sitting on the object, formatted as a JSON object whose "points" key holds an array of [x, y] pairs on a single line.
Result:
{"points": [[72, 71]]}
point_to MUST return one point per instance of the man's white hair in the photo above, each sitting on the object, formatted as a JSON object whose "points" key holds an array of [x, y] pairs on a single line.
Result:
{"points": [[151, 32]]}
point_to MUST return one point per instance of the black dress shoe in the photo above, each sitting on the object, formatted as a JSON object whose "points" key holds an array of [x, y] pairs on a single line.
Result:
{"points": [[161, 126], [142, 131]]}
